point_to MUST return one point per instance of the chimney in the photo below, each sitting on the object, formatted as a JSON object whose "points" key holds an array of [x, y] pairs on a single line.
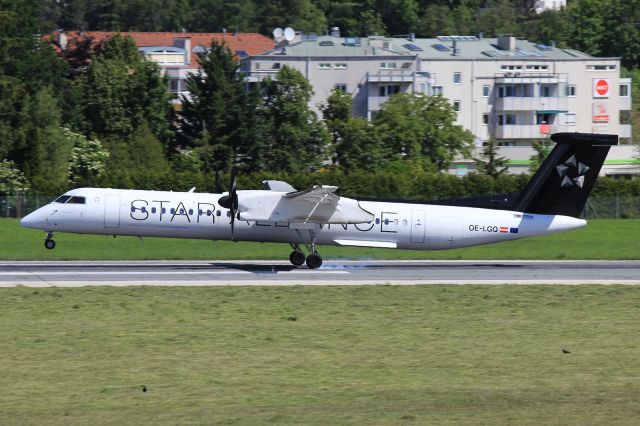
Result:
{"points": [[456, 51], [507, 42], [184, 43], [62, 40], [335, 31], [412, 36], [553, 43]]}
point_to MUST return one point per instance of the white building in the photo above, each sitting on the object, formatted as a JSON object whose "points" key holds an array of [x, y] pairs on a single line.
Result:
{"points": [[510, 89]]}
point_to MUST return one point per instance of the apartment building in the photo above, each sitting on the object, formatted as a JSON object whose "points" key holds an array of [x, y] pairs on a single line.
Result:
{"points": [[505, 88]]}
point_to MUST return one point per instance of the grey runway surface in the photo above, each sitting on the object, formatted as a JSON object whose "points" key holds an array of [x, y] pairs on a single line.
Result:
{"points": [[335, 272]]}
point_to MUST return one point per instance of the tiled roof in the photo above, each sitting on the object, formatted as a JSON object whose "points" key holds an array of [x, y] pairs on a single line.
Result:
{"points": [[251, 43]]}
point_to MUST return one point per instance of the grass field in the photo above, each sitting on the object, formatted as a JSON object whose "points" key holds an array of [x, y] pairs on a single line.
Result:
{"points": [[321, 355], [601, 239]]}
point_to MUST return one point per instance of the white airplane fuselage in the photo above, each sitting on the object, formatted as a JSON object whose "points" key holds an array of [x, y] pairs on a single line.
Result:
{"points": [[199, 216]]}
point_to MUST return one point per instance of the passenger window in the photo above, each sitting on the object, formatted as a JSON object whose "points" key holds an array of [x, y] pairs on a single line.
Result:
{"points": [[377, 221], [208, 212], [133, 209], [144, 210], [386, 221], [172, 210], [199, 212], [153, 210], [164, 210], [190, 212], [218, 213]]}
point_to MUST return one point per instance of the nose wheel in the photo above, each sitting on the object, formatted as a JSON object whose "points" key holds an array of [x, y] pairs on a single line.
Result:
{"points": [[49, 244]]}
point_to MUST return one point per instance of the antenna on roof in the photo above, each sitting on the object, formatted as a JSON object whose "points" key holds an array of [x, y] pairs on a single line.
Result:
{"points": [[278, 33], [289, 34]]}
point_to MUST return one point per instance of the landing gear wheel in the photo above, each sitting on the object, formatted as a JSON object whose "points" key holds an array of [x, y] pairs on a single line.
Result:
{"points": [[297, 257], [49, 244], [314, 261]]}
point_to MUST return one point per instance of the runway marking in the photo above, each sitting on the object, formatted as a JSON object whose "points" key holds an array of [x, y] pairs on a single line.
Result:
{"points": [[225, 272], [266, 283]]}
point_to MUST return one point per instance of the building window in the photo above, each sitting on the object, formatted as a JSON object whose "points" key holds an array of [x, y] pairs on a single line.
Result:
{"points": [[342, 87], [457, 77], [275, 66], [324, 66], [257, 65], [506, 119], [389, 90], [545, 91], [601, 67], [624, 90], [388, 65], [571, 90], [537, 67], [485, 119], [485, 91], [511, 67], [436, 90], [340, 66], [456, 106]]}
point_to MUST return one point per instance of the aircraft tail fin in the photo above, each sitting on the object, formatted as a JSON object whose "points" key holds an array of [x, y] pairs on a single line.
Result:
{"points": [[566, 177]]}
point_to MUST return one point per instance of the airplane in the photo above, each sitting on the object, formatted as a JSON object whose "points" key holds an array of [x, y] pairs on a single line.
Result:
{"points": [[551, 202]]}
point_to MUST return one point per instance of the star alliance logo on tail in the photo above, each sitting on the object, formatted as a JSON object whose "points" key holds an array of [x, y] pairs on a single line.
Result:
{"points": [[576, 168]]}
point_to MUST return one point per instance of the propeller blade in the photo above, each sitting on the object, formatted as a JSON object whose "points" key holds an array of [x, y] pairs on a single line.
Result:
{"points": [[230, 202]]}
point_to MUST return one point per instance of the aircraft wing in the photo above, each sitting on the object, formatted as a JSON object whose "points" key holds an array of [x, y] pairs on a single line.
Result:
{"points": [[318, 204]]}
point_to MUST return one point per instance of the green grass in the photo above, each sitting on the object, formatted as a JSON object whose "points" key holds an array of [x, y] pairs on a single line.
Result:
{"points": [[601, 239], [321, 355]]}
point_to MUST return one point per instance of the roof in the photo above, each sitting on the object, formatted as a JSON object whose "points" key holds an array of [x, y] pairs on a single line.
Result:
{"points": [[441, 48], [250, 43], [332, 46]]}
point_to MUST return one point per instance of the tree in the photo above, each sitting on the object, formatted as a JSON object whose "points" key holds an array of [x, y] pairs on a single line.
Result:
{"points": [[541, 150], [138, 162], [12, 180], [294, 138], [355, 143], [122, 90], [89, 158], [422, 128], [44, 157], [491, 163], [218, 119]]}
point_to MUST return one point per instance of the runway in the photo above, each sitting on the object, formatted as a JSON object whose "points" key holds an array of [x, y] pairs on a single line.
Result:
{"points": [[334, 272]]}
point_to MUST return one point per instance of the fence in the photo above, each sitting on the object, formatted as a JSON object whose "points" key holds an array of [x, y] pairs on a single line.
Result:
{"points": [[598, 207]]}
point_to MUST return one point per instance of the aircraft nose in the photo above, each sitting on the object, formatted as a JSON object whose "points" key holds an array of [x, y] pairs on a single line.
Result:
{"points": [[32, 220]]}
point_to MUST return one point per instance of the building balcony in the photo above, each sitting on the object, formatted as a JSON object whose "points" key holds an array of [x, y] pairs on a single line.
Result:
{"points": [[374, 103], [555, 104], [259, 75], [391, 76], [528, 131]]}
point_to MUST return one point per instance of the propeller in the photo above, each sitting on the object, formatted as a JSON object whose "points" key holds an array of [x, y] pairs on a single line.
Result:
{"points": [[230, 201]]}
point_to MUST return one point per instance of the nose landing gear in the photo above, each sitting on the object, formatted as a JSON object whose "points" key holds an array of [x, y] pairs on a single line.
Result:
{"points": [[49, 244]]}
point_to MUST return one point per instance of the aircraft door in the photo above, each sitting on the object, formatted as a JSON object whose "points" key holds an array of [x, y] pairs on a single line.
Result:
{"points": [[112, 211], [417, 226]]}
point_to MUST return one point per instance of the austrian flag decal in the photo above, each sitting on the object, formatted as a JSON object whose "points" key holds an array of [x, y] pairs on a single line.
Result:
{"points": [[504, 229]]}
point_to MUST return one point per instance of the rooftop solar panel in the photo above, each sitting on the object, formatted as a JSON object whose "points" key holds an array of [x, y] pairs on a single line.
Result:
{"points": [[440, 47], [413, 47], [543, 47]]}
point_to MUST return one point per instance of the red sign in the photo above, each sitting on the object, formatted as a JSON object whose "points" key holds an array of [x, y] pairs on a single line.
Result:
{"points": [[601, 87]]}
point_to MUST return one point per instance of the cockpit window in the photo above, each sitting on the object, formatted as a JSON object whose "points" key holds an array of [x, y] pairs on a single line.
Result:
{"points": [[76, 200], [68, 199]]}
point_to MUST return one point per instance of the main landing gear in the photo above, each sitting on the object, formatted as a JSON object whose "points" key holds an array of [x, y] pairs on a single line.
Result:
{"points": [[313, 260], [49, 244]]}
